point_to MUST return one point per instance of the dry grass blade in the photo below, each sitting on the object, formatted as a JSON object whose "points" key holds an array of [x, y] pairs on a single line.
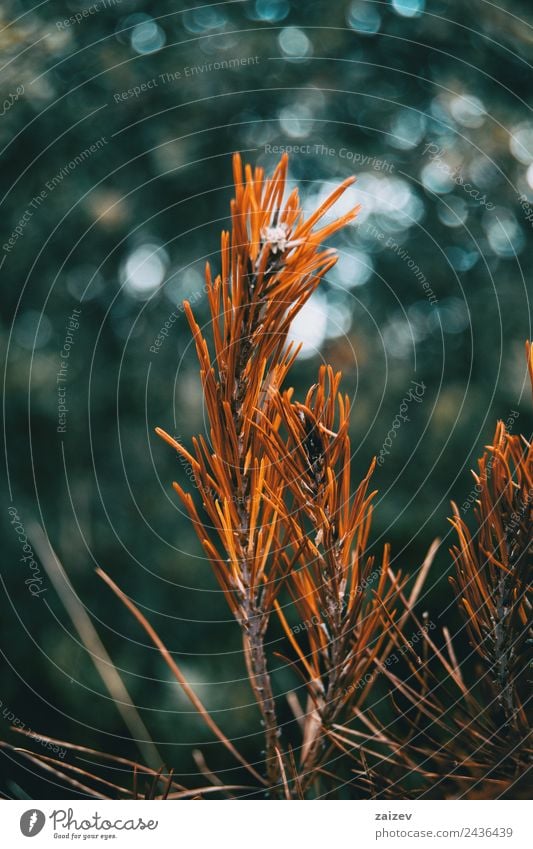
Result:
{"points": [[176, 671], [94, 646]]}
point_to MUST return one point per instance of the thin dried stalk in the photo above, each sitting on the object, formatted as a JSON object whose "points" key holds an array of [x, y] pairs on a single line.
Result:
{"points": [[95, 648], [178, 674]]}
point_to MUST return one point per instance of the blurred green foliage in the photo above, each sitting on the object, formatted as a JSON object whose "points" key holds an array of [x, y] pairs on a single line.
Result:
{"points": [[122, 232]]}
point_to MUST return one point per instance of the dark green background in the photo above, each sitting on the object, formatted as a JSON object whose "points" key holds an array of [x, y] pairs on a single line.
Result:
{"points": [[163, 177]]}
